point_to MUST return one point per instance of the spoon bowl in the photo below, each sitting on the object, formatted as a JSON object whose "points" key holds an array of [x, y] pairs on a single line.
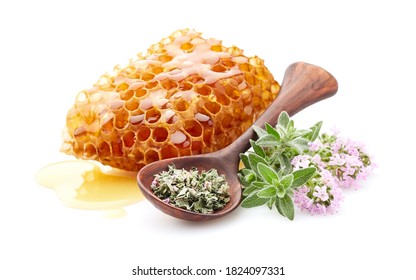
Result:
{"points": [[303, 84], [202, 162]]}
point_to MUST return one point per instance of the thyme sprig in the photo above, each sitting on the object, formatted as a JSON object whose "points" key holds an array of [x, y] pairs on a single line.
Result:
{"points": [[268, 176]]}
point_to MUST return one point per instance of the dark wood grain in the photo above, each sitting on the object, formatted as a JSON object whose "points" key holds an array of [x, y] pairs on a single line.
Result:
{"points": [[303, 84]]}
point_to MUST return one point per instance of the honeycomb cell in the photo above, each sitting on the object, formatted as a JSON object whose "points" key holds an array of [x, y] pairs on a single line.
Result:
{"points": [[129, 138], [160, 134], [121, 119], [140, 92], [266, 95], [151, 156], [193, 127], [232, 92], [165, 58], [80, 132], [126, 95], [219, 68], [187, 47], [122, 87], [146, 76], [178, 137], [117, 148], [181, 105], [143, 133], [186, 95], [223, 99], [256, 101], [169, 151], [104, 150], [108, 126], [137, 119], [244, 67], [138, 155], [152, 84], [226, 121], [203, 89], [216, 48], [132, 104], [207, 137], [157, 70], [169, 84], [250, 78], [152, 115], [197, 147], [212, 107], [184, 86], [90, 150], [227, 62]]}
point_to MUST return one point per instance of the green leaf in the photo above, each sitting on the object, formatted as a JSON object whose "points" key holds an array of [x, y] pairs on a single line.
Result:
{"points": [[248, 190], [315, 129], [259, 131], [267, 192], [257, 149], [244, 159], [300, 144], [283, 119], [254, 160], [253, 187], [253, 201], [249, 175], [280, 189], [287, 181], [267, 173], [259, 184], [291, 125], [271, 131], [286, 207], [282, 132], [284, 163], [301, 133], [301, 176], [271, 202], [243, 181], [278, 207], [268, 141]]}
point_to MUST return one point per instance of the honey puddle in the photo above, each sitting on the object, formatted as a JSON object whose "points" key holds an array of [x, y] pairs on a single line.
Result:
{"points": [[85, 185]]}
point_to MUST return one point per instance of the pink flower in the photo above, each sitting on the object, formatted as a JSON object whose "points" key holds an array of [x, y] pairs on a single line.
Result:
{"points": [[324, 200], [314, 146], [353, 160], [301, 161], [328, 178], [300, 197], [321, 193], [317, 160], [336, 160]]}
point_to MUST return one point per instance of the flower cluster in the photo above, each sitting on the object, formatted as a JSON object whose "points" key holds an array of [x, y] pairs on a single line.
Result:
{"points": [[287, 166], [340, 163]]}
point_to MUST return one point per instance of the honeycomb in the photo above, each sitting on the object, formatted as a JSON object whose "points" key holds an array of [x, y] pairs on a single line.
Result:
{"points": [[187, 95]]}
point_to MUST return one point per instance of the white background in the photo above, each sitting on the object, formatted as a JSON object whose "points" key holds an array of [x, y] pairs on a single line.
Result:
{"points": [[52, 50]]}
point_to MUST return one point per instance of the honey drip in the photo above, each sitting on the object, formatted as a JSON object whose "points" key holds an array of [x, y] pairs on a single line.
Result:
{"points": [[84, 185]]}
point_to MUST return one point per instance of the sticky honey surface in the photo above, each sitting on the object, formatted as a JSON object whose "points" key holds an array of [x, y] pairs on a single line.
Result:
{"points": [[186, 95], [84, 185]]}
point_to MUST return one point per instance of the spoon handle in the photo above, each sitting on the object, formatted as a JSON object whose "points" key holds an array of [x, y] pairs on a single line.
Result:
{"points": [[303, 84]]}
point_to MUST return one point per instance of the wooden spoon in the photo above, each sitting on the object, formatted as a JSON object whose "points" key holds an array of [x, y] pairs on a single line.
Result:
{"points": [[303, 85]]}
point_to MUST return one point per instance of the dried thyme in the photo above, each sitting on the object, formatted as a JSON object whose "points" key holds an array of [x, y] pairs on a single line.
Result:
{"points": [[203, 192]]}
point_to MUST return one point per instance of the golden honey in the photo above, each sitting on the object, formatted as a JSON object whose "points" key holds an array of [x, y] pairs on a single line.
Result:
{"points": [[187, 95], [84, 185]]}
